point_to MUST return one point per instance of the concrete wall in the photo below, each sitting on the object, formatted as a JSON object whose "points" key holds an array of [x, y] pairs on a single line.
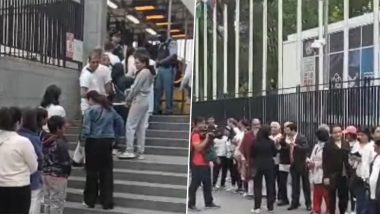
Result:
{"points": [[22, 83]]}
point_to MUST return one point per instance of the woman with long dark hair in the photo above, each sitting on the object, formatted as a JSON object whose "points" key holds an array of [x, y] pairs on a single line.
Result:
{"points": [[129, 62], [18, 161], [138, 100], [50, 101], [101, 127], [263, 152]]}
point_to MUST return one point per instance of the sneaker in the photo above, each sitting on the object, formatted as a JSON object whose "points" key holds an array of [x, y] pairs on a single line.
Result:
{"points": [[193, 208], [127, 155], [141, 157], [255, 211], [212, 206], [87, 206]]}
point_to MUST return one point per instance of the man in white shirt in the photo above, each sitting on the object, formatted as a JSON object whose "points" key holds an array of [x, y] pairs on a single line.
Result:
{"points": [[94, 77], [108, 49]]}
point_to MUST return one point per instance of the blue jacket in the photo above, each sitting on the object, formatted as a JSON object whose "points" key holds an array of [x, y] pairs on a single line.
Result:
{"points": [[99, 122], [36, 178]]}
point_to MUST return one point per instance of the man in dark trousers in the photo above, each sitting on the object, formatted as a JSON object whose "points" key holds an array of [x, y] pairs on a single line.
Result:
{"points": [[166, 72], [200, 169], [298, 152]]}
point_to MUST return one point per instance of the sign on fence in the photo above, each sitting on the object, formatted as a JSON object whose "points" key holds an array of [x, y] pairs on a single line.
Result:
{"points": [[69, 45]]}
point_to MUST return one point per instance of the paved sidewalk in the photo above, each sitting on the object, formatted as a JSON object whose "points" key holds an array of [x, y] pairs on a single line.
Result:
{"points": [[235, 204]]}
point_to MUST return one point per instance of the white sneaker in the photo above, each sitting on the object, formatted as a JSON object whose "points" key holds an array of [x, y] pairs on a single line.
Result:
{"points": [[127, 155], [256, 211], [141, 157]]}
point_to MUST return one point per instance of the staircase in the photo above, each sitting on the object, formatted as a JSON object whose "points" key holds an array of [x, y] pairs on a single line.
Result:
{"points": [[156, 185]]}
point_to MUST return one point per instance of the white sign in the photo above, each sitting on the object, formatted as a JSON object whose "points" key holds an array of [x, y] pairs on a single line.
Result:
{"points": [[78, 51], [308, 71], [69, 45]]}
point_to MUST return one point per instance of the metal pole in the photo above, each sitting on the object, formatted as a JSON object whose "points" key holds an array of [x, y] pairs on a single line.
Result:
{"points": [[170, 17], [237, 47], [250, 49], [186, 32], [205, 52], [215, 52], [280, 49], [265, 46], [225, 49], [326, 36], [197, 58], [326, 53], [376, 38]]}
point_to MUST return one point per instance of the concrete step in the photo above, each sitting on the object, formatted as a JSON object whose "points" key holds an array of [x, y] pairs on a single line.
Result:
{"points": [[142, 176], [150, 133], [165, 204], [170, 164], [170, 119], [164, 150], [169, 126], [137, 187], [78, 208], [168, 142], [152, 150], [173, 134], [150, 141]]}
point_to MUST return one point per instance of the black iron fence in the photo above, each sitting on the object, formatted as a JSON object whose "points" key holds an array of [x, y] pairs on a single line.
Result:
{"points": [[48, 31], [334, 104]]}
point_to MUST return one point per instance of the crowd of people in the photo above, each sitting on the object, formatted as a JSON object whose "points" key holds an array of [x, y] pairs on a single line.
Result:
{"points": [[117, 97], [343, 164]]}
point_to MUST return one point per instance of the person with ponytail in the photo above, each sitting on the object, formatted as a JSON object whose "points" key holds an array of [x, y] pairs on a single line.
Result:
{"points": [[102, 125], [138, 100]]}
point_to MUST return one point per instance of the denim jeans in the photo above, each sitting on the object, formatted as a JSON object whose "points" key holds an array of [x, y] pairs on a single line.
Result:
{"points": [[362, 201], [164, 84]]}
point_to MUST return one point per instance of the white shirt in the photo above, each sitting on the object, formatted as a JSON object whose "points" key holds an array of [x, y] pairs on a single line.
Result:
{"points": [[374, 177], [54, 110], [367, 153], [131, 66], [221, 146], [94, 81], [113, 58], [316, 158], [18, 160]]}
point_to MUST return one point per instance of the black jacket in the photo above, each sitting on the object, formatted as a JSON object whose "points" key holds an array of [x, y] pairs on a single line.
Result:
{"points": [[300, 153], [334, 159], [263, 151], [284, 152], [57, 161]]}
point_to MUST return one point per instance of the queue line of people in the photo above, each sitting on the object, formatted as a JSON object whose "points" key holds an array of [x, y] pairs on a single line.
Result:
{"points": [[342, 165]]}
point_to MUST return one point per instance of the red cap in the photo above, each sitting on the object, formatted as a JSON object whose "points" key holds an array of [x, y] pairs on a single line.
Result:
{"points": [[350, 130]]}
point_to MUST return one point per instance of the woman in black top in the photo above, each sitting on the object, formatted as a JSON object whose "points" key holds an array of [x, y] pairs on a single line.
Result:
{"points": [[263, 152]]}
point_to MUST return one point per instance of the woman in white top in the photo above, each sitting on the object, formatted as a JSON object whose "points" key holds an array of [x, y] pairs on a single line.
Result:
{"points": [[220, 144], [18, 161], [361, 157], [129, 62], [50, 101]]}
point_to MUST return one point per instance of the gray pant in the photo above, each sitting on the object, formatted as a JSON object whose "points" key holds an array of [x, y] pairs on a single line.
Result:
{"points": [[136, 124], [54, 194]]}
